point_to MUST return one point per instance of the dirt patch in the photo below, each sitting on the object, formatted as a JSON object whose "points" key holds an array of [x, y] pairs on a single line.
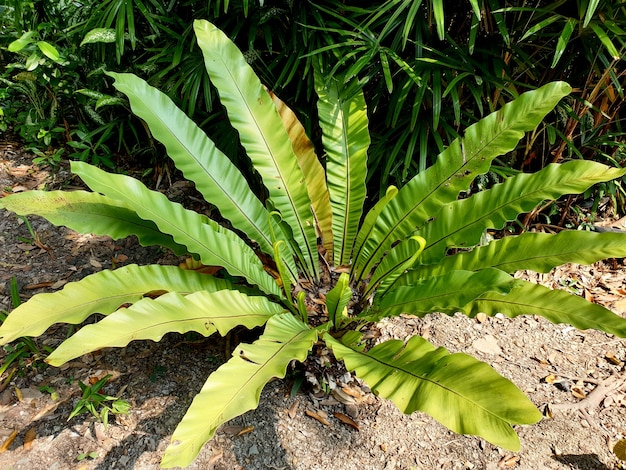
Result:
{"points": [[581, 374]]}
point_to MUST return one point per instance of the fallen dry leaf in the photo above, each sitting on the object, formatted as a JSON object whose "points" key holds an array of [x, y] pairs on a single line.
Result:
{"points": [[291, 412], [508, 461], [214, 459], [29, 437], [620, 449], [346, 420], [7, 443], [550, 379], [246, 430], [237, 430], [610, 356], [318, 417]]}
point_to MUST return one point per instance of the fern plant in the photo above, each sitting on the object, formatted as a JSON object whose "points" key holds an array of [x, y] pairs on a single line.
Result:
{"points": [[309, 242]]}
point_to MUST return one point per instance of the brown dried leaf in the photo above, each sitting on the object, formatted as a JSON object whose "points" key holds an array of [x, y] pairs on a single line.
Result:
{"points": [[246, 430], [155, 294], [293, 409], [508, 461], [233, 430], [29, 437], [342, 397], [214, 459], [119, 258], [610, 356], [318, 417], [39, 285], [620, 449], [7, 443], [550, 379], [346, 420], [579, 393], [342, 269], [60, 283]]}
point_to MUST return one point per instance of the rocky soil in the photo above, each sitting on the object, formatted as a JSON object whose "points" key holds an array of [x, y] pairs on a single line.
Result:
{"points": [[576, 377]]}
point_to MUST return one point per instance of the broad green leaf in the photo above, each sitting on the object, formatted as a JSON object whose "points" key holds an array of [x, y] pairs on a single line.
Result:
{"points": [[447, 294], [88, 212], [462, 393], [557, 306], [204, 312], [103, 293], [214, 175], [252, 112], [32, 62], [461, 223], [236, 386], [370, 220], [456, 167], [23, 41], [400, 258], [215, 245], [337, 300], [539, 252], [314, 175], [561, 44], [49, 51], [346, 139], [96, 35]]}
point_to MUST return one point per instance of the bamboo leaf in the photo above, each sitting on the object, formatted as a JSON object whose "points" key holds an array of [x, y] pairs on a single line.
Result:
{"points": [[557, 306], [437, 6], [455, 168], [461, 223], [215, 245], [475, 8], [88, 212], [605, 40], [103, 293], [539, 252], [455, 389], [235, 387], [252, 112], [561, 44], [591, 10], [204, 312], [539, 26], [346, 139]]}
